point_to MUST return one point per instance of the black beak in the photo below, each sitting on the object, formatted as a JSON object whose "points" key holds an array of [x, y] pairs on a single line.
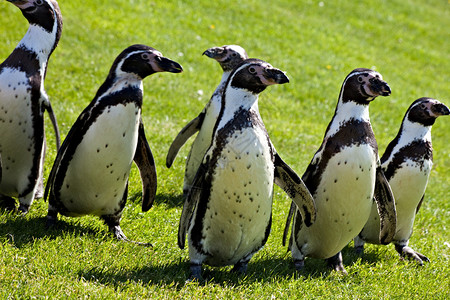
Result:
{"points": [[277, 76], [215, 52], [169, 65], [380, 87], [440, 110]]}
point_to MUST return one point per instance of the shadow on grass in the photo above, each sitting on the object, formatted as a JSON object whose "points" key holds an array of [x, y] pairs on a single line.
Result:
{"points": [[175, 274], [21, 231], [171, 200]]}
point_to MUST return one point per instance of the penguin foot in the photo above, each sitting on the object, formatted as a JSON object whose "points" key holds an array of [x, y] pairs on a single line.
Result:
{"points": [[7, 203], [336, 263], [119, 235], [408, 252], [240, 267], [299, 264], [359, 250], [196, 273], [23, 208], [52, 217]]}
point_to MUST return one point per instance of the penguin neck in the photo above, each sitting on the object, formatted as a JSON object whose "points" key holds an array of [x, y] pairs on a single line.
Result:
{"points": [[234, 101], [345, 112], [119, 83], [40, 42], [411, 131], [223, 81]]}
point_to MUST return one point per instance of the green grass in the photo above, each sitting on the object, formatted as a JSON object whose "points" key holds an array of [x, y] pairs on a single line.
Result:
{"points": [[408, 42]]}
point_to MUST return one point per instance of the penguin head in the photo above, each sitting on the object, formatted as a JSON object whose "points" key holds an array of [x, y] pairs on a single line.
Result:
{"points": [[142, 61], [228, 56], [255, 75], [425, 111], [42, 13], [363, 85]]}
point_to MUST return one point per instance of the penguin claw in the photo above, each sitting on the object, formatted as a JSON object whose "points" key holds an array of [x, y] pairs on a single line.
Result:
{"points": [[359, 250], [336, 263], [7, 203], [240, 267], [196, 273], [408, 252], [299, 264], [119, 235]]}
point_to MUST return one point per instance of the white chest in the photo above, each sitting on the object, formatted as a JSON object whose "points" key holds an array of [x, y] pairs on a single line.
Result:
{"points": [[239, 207], [16, 130], [98, 173], [343, 201]]}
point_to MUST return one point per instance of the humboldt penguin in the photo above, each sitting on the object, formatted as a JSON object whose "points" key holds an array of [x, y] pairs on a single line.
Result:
{"points": [[23, 101], [406, 163], [228, 57], [90, 173], [227, 213], [343, 176]]}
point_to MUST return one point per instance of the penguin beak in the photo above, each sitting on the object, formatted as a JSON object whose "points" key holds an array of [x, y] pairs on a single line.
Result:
{"points": [[440, 110], [275, 76], [380, 87], [168, 65], [215, 52]]}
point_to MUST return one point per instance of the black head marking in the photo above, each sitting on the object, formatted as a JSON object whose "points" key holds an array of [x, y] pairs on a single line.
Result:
{"points": [[425, 111], [363, 85], [255, 75], [140, 60], [42, 13], [227, 56]]}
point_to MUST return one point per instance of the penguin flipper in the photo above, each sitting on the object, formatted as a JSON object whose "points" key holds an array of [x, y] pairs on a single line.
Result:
{"points": [[418, 205], [51, 114], [190, 129], [386, 207], [288, 223], [147, 169], [294, 186], [192, 198]]}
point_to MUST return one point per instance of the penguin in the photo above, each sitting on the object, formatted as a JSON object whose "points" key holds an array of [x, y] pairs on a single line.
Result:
{"points": [[228, 57], [23, 101], [343, 176], [90, 172], [227, 213], [406, 163]]}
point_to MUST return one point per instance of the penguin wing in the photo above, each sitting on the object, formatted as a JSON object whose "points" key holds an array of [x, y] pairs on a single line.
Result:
{"points": [[294, 186], [190, 129], [386, 207], [49, 109], [147, 169], [75, 130], [192, 198], [288, 223]]}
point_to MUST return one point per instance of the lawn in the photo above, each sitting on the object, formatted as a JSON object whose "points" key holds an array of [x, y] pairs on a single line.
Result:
{"points": [[317, 43]]}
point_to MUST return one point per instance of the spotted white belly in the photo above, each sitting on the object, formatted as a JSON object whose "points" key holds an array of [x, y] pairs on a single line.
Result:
{"points": [[16, 131], [239, 207], [343, 202], [408, 185], [98, 173]]}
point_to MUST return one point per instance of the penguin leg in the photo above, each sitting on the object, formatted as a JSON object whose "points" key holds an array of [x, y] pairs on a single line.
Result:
{"points": [[52, 217], [26, 201], [359, 245], [408, 252], [336, 263], [196, 272], [241, 266], [113, 222], [297, 255], [7, 203]]}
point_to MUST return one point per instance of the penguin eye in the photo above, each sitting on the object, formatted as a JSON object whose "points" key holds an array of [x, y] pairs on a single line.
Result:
{"points": [[39, 2], [234, 54], [252, 70], [422, 106], [360, 79], [145, 56]]}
